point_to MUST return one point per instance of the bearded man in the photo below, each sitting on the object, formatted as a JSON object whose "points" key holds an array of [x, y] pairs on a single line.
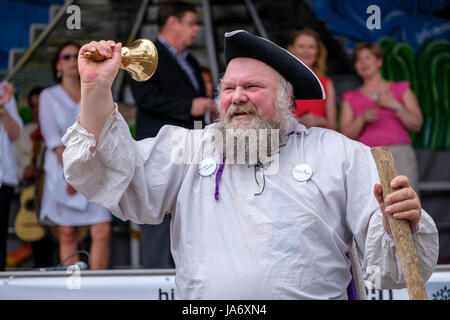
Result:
{"points": [[276, 226]]}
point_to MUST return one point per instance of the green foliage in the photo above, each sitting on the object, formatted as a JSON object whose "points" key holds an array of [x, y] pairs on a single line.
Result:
{"points": [[25, 114], [428, 72], [443, 294], [132, 127]]}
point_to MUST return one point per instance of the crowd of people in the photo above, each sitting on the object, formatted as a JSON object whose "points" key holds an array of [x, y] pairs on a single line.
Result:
{"points": [[378, 113]]}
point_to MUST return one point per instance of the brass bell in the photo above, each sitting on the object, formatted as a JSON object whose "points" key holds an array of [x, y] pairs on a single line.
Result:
{"points": [[139, 59]]}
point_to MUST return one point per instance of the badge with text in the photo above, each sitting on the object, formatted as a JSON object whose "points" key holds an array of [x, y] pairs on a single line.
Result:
{"points": [[207, 167], [302, 172]]}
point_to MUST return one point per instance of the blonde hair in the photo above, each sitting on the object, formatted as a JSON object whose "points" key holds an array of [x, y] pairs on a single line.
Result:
{"points": [[319, 67]]}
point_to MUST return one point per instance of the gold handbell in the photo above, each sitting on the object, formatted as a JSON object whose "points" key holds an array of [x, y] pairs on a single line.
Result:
{"points": [[139, 59]]}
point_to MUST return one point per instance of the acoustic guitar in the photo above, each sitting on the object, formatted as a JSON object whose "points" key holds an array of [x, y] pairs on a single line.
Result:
{"points": [[26, 224], [52, 230]]}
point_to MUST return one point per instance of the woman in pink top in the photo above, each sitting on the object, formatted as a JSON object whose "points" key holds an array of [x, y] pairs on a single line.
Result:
{"points": [[380, 112]]}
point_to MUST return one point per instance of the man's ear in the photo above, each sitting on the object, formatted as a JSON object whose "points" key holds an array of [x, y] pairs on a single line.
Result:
{"points": [[172, 20]]}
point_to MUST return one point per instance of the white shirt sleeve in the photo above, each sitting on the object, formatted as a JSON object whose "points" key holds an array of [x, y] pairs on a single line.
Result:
{"points": [[11, 108], [135, 180], [8, 164], [47, 119], [375, 246], [381, 261]]}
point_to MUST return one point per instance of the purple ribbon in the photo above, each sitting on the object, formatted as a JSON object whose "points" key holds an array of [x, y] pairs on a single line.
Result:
{"points": [[218, 176], [351, 289]]}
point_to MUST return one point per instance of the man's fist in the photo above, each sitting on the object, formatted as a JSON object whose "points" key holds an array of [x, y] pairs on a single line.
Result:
{"points": [[99, 73], [402, 204]]}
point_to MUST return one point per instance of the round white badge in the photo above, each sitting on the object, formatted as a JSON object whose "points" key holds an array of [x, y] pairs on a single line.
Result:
{"points": [[207, 167], [302, 172]]}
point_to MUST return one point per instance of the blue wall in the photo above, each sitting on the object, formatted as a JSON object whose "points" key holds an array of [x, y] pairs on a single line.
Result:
{"points": [[410, 21], [16, 17]]}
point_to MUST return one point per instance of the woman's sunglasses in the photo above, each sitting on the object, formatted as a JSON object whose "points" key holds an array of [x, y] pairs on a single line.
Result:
{"points": [[68, 56]]}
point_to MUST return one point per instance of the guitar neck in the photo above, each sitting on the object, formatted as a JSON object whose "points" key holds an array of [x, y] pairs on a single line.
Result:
{"points": [[36, 150]]}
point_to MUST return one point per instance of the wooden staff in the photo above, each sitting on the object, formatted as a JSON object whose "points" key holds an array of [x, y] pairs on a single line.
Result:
{"points": [[401, 230]]}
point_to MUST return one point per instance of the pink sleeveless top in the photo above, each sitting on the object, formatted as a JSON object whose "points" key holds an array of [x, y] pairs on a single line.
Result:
{"points": [[388, 129]]}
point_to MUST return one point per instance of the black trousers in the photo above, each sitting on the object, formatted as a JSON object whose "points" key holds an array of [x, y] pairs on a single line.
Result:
{"points": [[44, 253], [6, 196], [155, 241]]}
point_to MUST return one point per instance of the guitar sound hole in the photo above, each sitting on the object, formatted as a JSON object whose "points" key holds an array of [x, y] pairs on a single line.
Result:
{"points": [[29, 205]]}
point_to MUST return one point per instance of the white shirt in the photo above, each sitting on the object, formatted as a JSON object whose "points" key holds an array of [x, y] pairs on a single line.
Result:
{"points": [[289, 242], [57, 111], [8, 164]]}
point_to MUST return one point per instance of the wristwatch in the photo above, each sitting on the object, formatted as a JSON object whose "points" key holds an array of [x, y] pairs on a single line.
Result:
{"points": [[2, 110]]}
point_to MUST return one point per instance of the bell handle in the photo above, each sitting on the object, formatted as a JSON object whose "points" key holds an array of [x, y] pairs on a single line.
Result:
{"points": [[98, 57], [140, 68], [95, 56]]}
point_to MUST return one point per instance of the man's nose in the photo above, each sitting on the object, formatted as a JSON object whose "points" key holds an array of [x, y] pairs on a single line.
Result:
{"points": [[239, 96]]}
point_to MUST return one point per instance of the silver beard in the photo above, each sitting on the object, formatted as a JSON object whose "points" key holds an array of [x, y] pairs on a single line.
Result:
{"points": [[255, 141]]}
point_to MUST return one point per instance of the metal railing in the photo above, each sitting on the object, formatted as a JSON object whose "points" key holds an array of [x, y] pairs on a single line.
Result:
{"points": [[210, 42], [39, 40], [43, 36], [118, 82], [209, 35], [256, 20]]}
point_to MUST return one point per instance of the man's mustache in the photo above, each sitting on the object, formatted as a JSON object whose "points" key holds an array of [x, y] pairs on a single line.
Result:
{"points": [[245, 108]]}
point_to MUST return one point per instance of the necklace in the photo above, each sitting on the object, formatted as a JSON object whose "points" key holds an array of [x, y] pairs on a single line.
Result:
{"points": [[373, 93], [374, 96]]}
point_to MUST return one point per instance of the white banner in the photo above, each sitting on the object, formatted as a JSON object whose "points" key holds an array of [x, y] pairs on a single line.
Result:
{"points": [[438, 288], [145, 285]]}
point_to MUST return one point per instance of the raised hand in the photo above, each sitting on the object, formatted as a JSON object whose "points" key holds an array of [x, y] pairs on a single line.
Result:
{"points": [[96, 80], [99, 73], [6, 96]]}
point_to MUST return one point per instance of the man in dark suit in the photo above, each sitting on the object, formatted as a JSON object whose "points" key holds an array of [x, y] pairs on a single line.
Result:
{"points": [[175, 95]]}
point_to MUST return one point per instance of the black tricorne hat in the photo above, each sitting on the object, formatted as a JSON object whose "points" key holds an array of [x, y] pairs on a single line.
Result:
{"points": [[240, 43]]}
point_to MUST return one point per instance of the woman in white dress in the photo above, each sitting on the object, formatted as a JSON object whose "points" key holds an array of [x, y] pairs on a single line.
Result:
{"points": [[62, 205], [10, 127]]}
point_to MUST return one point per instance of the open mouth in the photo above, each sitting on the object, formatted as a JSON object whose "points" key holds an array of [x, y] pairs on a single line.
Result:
{"points": [[241, 114]]}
